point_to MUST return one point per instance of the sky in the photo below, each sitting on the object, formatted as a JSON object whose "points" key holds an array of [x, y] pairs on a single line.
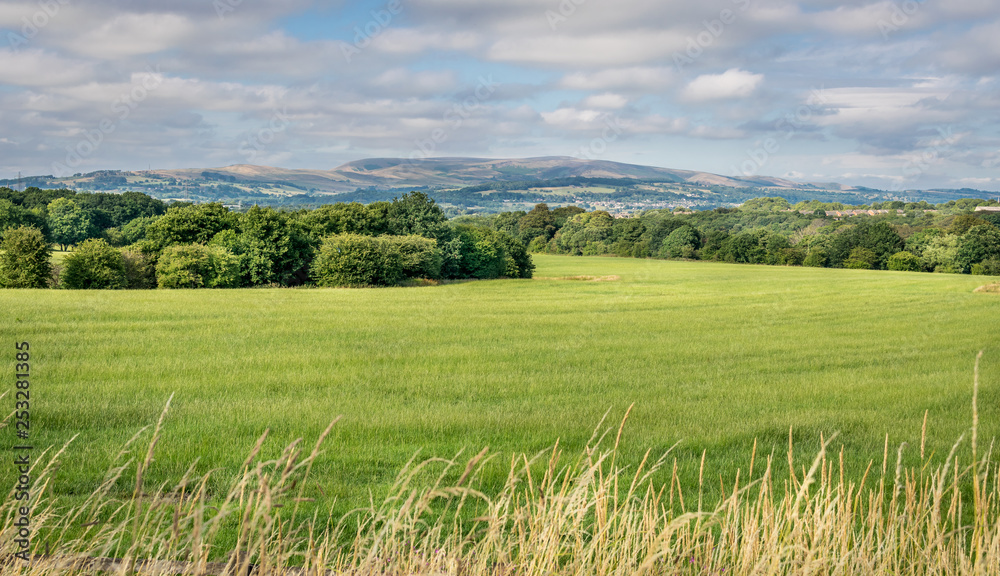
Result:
{"points": [[890, 94]]}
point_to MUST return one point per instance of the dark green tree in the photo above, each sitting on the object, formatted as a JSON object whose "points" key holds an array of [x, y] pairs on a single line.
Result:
{"points": [[416, 213], [977, 244], [686, 236], [509, 223], [540, 221], [14, 216], [564, 213], [876, 236], [24, 259], [140, 270]]}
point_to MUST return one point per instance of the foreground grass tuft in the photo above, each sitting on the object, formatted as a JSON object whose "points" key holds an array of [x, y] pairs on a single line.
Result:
{"points": [[588, 515]]}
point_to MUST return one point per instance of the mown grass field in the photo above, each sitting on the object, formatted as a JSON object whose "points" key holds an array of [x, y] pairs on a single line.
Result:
{"points": [[712, 355]]}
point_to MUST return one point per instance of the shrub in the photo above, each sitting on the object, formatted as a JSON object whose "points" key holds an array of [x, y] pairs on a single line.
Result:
{"points": [[988, 267], [24, 258], [816, 258], [861, 259], [94, 265], [140, 270], [905, 261], [355, 260], [421, 256], [197, 266]]}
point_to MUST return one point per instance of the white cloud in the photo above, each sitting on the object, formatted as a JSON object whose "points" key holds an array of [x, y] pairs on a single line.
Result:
{"points": [[637, 78], [413, 41], [134, 35], [733, 83], [603, 49], [606, 100]]}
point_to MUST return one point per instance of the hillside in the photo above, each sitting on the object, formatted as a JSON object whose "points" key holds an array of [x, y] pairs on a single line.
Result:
{"points": [[475, 183]]}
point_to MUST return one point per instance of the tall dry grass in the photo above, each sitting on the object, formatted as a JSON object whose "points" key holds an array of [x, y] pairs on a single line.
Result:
{"points": [[585, 516]]}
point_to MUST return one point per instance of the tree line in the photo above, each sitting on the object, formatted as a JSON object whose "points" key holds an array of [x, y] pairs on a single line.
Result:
{"points": [[134, 241], [948, 238]]}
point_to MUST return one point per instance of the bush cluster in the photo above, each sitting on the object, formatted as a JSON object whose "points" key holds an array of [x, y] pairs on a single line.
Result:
{"points": [[209, 246]]}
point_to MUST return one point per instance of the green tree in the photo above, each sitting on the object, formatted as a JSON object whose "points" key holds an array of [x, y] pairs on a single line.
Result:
{"points": [[416, 213], [132, 231], [14, 216], [196, 224], [24, 259], [685, 236], [356, 260], [538, 222], [68, 223], [940, 254], [816, 257], [988, 267], [599, 226], [979, 243], [140, 270], [965, 222], [918, 241], [745, 247], [421, 257], [766, 204], [197, 266], [905, 262], [712, 243], [94, 264], [517, 261], [876, 236], [344, 218], [509, 223], [564, 213], [861, 258], [273, 247]]}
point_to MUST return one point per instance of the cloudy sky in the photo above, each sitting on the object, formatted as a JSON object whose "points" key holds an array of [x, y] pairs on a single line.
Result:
{"points": [[892, 95]]}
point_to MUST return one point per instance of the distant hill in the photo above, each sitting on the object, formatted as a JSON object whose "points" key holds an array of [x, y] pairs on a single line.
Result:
{"points": [[484, 183]]}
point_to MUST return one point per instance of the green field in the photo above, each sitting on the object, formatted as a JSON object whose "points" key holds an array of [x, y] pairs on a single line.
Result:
{"points": [[712, 355]]}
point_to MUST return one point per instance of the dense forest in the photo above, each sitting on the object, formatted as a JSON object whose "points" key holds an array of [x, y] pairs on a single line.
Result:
{"points": [[134, 241]]}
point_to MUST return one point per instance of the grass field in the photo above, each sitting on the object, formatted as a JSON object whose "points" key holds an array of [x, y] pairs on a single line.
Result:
{"points": [[712, 355]]}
